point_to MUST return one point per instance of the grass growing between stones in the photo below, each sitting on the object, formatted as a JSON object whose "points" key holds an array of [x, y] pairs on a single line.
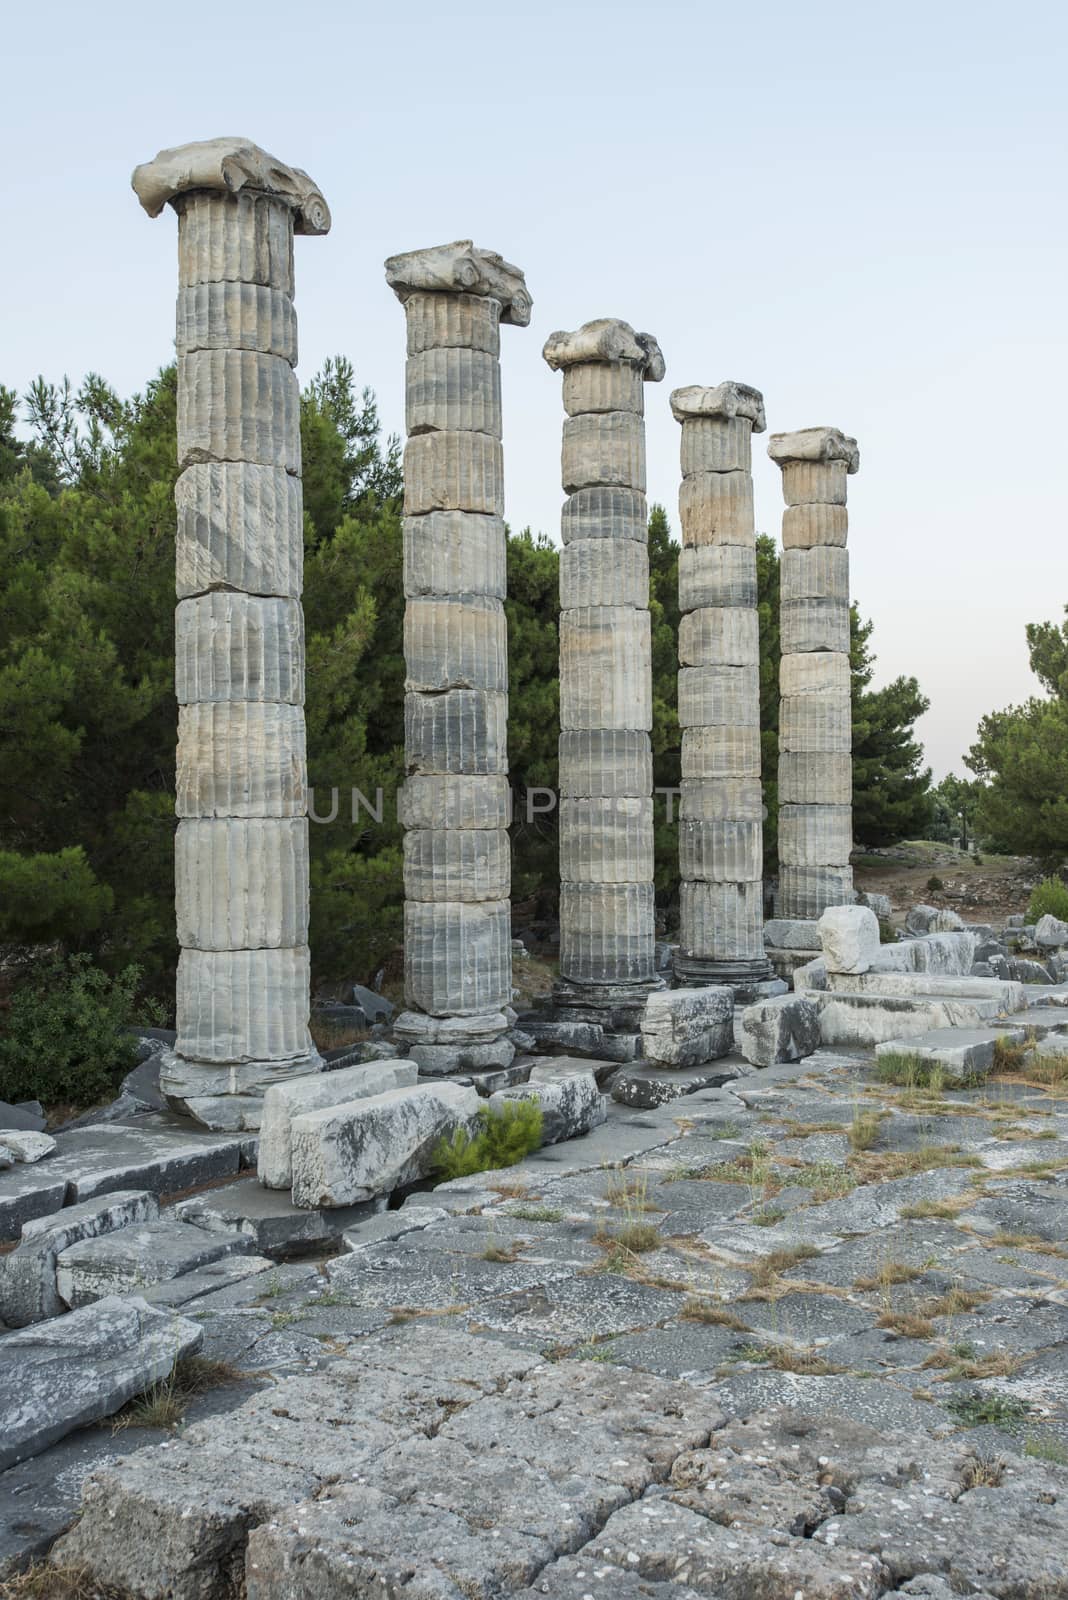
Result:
{"points": [[699, 1309], [964, 1361], [629, 1192], [534, 1213], [994, 1410], [806, 1363], [43, 1581], [864, 1129], [884, 1165], [907, 1324], [930, 1210], [164, 1404], [765, 1273], [1041, 1448], [889, 1273]]}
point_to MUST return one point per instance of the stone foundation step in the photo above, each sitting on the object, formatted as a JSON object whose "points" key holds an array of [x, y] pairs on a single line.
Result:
{"points": [[138, 1256], [873, 1019], [268, 1218], [162, 1153], [962, 1052], [647, 1086], [1041, 1020]]}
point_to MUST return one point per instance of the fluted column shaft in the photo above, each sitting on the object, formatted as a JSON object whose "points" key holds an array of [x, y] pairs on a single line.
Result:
{"points": [[815, 710], [607, 917], [241, 848], [455, 803], [721, 806]]}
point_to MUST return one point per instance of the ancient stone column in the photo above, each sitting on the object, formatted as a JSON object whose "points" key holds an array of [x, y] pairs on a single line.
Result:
{"points": [[607, 920], [455, 801], [721, 806], [815, 711], [241, 849]]}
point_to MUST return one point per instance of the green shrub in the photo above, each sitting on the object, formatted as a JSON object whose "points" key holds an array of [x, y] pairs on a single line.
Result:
{"points": [[887, 931], [1048, 898], [63, 1041], [503, 1138], [934, 883]]}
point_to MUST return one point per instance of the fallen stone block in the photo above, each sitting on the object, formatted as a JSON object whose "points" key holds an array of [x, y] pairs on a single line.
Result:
{"points": [[813, 975], [932, 919], [792, 933], [783, 1029], [27, 1117], [849, 938], [870, 1019], [961, 1052], [217, 1275], [1024, 970], [1050, 934], [388, 1226], [284, 1101], [570, 1101], [879, 903], [686, 1027], [21, 1144], [927, 985], [136, 1257], [345, 1154], [646, 1086], [584, 1039], [79, 1369], [268, 1217], [28, 1291]]}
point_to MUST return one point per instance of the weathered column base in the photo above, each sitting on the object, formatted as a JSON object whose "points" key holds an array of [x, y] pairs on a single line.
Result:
{"points": [[600, 1021], [226, 1095], [751, 980], [440, 1045]]}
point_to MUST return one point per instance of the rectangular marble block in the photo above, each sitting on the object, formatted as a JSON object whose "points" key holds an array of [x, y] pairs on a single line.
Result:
{"points": [[457, 957], [716, 444], [238, 647], [722, 921], [462, 731], [810, 527], [817, 572], [240, 526], [815, 779], [442, 321], [607, 932], [812, 724], [605, 513], [453, 388], [686, 1027], [724, 697], [721, 752], [814, 483], [282, 1102], [241, 883], [456, 642], [236, 316], [242, 238], [603, 386], [454, 553], [605, 763], [815, 836], [454, 801], [604, 572], [814, 625], [467, 864], [243, 1005], [453, 472], [720, 852], [603, 449], [717, 508], [717, 575], [720, 636], [606, 841], [241, 759], [815, 673], [807, 892], [605, 668], [237, 405]]}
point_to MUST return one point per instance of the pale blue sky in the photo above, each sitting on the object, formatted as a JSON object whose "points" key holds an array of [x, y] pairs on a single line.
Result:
{"points": [[860, 210]]}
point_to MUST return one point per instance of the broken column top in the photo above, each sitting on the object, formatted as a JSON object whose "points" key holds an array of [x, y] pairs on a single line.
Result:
{"points": [[815, 444], [230, 166], [726, 401], [461, 268], [606, 339]]}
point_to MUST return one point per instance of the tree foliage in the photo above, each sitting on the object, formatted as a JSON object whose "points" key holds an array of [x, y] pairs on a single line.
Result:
{"points": [[1021, 759]]}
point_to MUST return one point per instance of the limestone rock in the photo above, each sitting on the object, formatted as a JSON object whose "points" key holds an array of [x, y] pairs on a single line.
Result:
{"points": [[284, 1101], [571, 1103], [79, 1369], [342, 1154], [792, 933], [26, 1146], [28, 1291], [785, 1028], [685, 1027], [136, 1257], [849, 936], [922, 919], [1050, 933]]}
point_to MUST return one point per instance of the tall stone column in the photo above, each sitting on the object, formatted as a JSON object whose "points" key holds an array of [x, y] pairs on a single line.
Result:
{"points": [[455, 801], [721, 807], [815, 711], [241, 849], [607, 919]]}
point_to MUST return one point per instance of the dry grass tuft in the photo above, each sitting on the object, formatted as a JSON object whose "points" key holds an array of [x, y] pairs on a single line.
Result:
{"points": [[864, 1130], [164, 1404], [908, 1324], [953, 1303], [982, 1472], [45, 1582], [767, 1268], [699, 1309], [889, 1273]]}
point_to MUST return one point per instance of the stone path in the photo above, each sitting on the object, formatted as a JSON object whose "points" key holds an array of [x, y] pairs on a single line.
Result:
{"points": [[810, 1339]]}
